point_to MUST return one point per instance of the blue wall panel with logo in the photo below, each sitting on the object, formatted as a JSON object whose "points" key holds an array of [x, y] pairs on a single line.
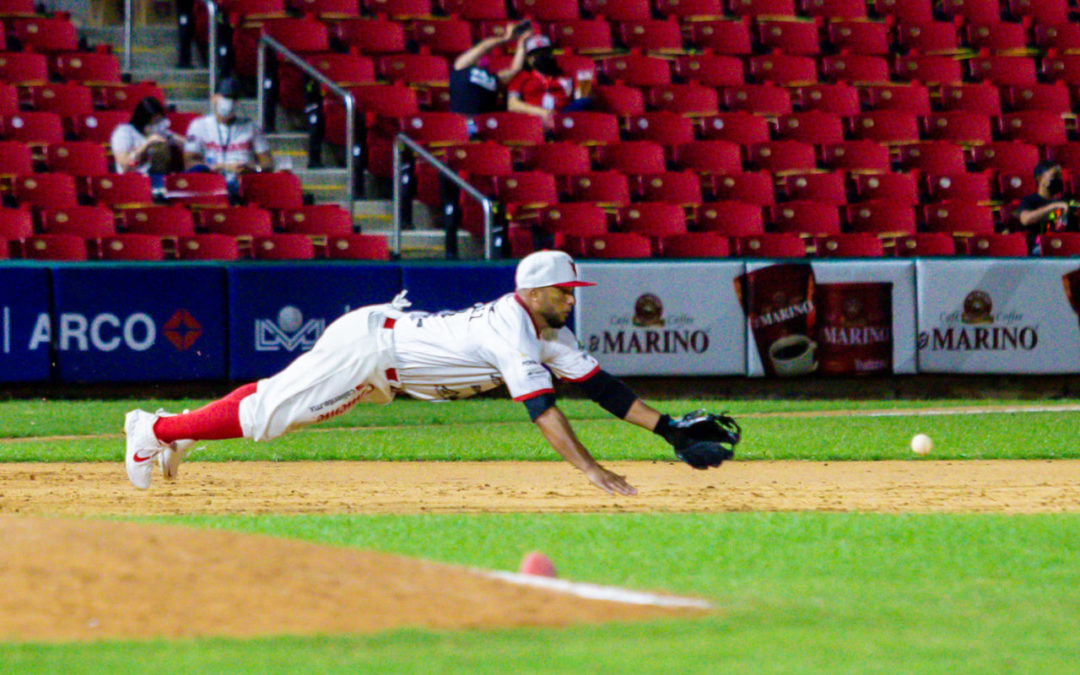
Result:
{"points": [[139, 322], [277, 311], [24, 301], [435, 287]]}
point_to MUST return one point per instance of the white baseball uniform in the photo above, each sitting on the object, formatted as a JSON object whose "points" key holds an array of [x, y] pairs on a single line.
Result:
{"points": [[372, 353]]}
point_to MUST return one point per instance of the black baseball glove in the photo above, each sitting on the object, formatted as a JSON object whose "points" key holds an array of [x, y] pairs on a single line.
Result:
{"points": [[701, 439]]}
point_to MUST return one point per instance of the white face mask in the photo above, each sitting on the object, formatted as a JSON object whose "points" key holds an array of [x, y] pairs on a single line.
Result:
{"points": [[225, 107], [158, 127]]}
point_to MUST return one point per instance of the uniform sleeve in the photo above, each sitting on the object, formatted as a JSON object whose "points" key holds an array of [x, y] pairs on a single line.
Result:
{"points": [[566, 358], [194, 142], [524, 374]]}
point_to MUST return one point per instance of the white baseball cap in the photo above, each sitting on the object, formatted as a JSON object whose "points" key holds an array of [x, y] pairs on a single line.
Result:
{"points": [[536, 42], [548, 268]]}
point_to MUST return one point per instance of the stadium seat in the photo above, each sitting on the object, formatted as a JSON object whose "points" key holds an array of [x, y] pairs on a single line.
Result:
{"points": [[752, 187], [631, 157], [196, 188], [683, 99], [649, 35], [34, 128], [1062, 37], [928, 69], [65, 247], [651, 219], [412, 68], [776, 245], [15, 160], [854, 68], [855, 156], [982, 98], [581, 36], [283, 247], [559, 159], [1002, 70], [160, 221], [358, 247], [817, 186], [833, 9], [940, 157], [44, 34], [805, 218], [299, 35], [781, 156], [905, 11], [510, 127], [973, 11], [277, 190], [753, 8], [837, 99], [89, 222], [957, 126], [927, 36], [1000, 245], [852, 245], [898, 188], [1059, 244], [1014, 186], [665, 128], [585, 127], [926, 244], [858, 36], [370, 36], [1040, 11], [997, 37], [721, 36], [815, 128], [710, 70], [442, 36], [319, 219], [97, 127], [116, 189], [695, 245], [236, 221], [618, 10], [619, 99], [610, 245], [761, 99], [910, 98], [884, 126], [9, 100], [958, 218], [688, 8], [788, 36], [960, 186], [708, 156], [1050, 97], [673, 187], [1007, 157], [781, 69], [78, 158], [881, 218], [573, 219], [16, 67], [1037, 127], [735, 127], [636, 70], [46, 190], [208, 247], [730, 219], [64, 99], [141, 247], [602, 187], [15, 224], [87, 67]]}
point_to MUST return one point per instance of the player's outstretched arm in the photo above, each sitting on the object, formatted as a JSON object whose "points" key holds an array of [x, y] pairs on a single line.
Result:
{"points": [[556, 429]]}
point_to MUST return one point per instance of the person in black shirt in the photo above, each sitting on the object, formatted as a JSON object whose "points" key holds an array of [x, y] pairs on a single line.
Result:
{"points": [[474, 88], [1044, 210]]}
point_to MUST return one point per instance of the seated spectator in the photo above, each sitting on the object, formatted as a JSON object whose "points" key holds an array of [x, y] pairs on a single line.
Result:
{"points": [[1044, 210], [474, 88], [542, 88], [144, 145], [226, 143]]}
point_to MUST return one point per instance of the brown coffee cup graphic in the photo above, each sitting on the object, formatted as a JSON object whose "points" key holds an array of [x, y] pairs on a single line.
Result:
{"points": [[779, 306], [854, 328]]}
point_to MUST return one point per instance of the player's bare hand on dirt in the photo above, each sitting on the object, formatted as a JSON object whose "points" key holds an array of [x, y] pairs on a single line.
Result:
{"points": [[609, 482]]}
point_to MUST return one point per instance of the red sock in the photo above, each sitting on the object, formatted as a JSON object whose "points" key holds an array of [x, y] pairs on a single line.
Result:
{"points": [[215, 421]]}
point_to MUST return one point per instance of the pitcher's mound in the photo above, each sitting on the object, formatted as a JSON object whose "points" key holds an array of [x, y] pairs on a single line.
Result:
{"points": [[85, 579]]}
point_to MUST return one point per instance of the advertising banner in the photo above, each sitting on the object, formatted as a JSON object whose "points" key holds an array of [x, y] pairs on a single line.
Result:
{"points": [[278, 311], [135, 323], [24, 296], [829, 317], [663, 318], [999, 316], [434, 287]]}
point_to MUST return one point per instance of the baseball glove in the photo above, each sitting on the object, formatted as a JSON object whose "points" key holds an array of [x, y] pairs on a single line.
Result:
{"points": [[702, 439]]}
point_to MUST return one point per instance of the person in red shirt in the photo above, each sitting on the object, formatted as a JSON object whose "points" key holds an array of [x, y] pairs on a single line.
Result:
{"points": [[541, 88]]}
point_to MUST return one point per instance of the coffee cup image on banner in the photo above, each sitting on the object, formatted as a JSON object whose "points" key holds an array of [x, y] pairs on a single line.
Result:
{"points": [[779, 307]]}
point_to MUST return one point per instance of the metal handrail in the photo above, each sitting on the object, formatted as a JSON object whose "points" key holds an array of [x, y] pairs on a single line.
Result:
{"points": [[211, 61], [400, 141], [309, 70]]}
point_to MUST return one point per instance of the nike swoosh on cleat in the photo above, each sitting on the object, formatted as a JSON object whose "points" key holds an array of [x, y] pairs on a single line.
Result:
{"points": [[139, 458]]}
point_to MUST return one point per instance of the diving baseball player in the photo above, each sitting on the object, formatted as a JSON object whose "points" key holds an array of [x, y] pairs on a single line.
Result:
{"points": [[373, 353]]}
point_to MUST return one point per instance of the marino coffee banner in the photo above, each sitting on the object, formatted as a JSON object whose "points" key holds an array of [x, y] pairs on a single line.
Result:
{"points": [[829, 318], [999, 316], [662, 318]]}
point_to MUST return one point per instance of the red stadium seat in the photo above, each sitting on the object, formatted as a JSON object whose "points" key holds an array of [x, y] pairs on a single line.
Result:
{"points": [[927, 37], [1014, 186], [973, 11], [320, 7], [396, 9], [884, 126], [447, 37], [606, 187], [35, 128], [1040, 11], [510, 127], [1048, 97], [559, 159], [652, 219], [660, 127], [546, 10], [525, 190], [855, 156], [710, 70], [303, 35], [1060, 36], [816, 186], [721, 36], [782, 69], [618, 10], [1002, 70], [881, 218], [16, 67], [815, 128], [1000, 245], [960, 186], [959, 218], [996, 37], [278, 190], [763, 99], [754, 8], [320, 219], [341, 68], [898, 188], [906, 11], [852, 245], [781, 156], [413, 68], [1059, 244], [708, 156], [837, 99], [636, 70], [87, 67], [619, 99], [695, 245], [116, 189], [735, 127], [370, 36], [90, 222], [97, 127], [730, 219], [358, 247], [236, 221], [9, 100], [283, 247], [805, 218], [982, 98], [650, 35], [611, 245], [833, 9], [66, 100], [688, 8], [15, 224], [78, 158], [196, 188], [1064, 68], [788, 36], [939, 157], [586, 127], [1037, 127], [572, 219], [1008, 157], [854, 68], [673, 187], [44, 34], [15, 159], [928, 69], [143, 247], [160, 221], [907, 98], [208, 247], [776, 245], [1066, 154], [471, 10], [957, 126], [683, 99], [858, 36], [66, 247], [631, 157], [754, 187], [926, 244], [46, 190]]}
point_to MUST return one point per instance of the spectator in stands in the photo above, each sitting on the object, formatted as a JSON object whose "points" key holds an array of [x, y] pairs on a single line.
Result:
{"points": [[474, 88], [542, 88], [1044, 210], [145, 143], [226, 143]]}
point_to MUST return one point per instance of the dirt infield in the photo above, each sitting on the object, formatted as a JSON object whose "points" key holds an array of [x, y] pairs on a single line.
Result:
{"points": [[1007, 486]]}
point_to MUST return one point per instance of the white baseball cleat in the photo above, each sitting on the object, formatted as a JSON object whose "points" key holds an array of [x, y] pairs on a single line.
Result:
{"points": [[174, 453], [142, 447]]}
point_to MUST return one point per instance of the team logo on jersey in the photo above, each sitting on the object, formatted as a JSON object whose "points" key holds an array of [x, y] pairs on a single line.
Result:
{"points": [[289, 331]]}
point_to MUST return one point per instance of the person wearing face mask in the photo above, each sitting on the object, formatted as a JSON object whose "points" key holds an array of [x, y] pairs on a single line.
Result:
{"points": [[542, 89], [474, 87], [1044, 210], [145, 143], [225, 142]]}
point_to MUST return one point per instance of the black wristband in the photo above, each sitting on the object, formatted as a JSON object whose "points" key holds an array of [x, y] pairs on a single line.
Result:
{"points": [[663, 427]]}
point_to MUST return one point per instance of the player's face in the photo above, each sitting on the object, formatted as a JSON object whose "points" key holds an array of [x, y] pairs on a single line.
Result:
{"points": [[556, 303]]}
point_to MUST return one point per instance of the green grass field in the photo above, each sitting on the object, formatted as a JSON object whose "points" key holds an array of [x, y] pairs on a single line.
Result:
{"points": [[797, 592]]}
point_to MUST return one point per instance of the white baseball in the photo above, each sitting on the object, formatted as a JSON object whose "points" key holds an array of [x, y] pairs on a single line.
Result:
{"points": [[921, 444]]}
